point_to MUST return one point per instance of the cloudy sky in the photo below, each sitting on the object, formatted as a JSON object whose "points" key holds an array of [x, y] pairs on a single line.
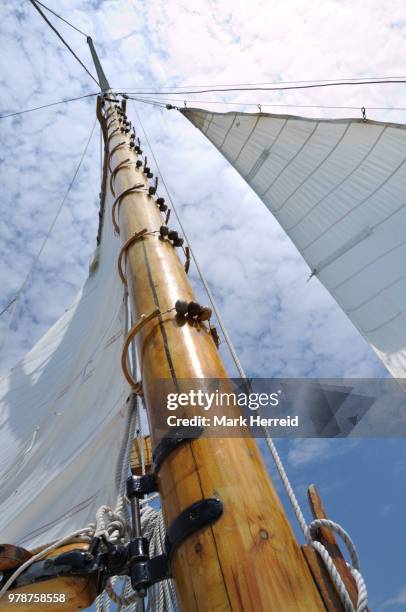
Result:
{"points": [[280, 324]]}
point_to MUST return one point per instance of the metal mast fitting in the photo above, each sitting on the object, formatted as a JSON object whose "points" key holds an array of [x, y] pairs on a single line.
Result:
{"points": [[104, 84]]}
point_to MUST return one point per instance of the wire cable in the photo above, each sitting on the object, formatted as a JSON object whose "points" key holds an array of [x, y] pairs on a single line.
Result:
{"points": [[162, 103], [290, 87], [30, 110], [61, 18], [34, 3], [270, 83], [15, 299]]}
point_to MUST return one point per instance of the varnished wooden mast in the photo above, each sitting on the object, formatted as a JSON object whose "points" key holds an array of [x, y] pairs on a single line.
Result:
{"points": [[249, 559]]}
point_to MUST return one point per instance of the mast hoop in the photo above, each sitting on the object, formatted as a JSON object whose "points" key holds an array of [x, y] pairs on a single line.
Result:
{"points": [[137, 188], [110, 111], [123, 164], [142, 321], [114, 149], [108, 114], [115, 120], [131, 240], [113, 133]]}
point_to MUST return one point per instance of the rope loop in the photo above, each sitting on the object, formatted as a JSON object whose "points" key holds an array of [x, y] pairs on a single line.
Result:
{"points": [[362, 598], [315, 525]]}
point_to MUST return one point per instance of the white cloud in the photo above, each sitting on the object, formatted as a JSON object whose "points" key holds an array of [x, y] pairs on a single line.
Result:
{"points": [[305, 451], [398, 600]]}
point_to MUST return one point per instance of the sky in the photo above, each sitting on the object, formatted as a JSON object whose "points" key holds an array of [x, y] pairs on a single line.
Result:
{"points": [[281, 325]]}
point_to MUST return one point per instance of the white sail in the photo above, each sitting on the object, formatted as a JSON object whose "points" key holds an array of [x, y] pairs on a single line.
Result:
{"points": [[63, 414], [338, 189]]}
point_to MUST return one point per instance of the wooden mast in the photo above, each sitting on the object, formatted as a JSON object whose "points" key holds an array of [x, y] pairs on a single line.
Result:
{"points": [[249, 558]]}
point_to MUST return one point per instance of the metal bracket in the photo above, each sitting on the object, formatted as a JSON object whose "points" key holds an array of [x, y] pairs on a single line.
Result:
{"points": [[192, 519], [75, 562], [144, 571], [171, 441], [138, 486]]}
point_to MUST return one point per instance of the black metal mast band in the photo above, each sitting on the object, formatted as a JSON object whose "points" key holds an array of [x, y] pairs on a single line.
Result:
{"points": [[171, 441]]}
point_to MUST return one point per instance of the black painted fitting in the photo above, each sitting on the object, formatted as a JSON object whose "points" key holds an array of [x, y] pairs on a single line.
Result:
{"points": [[181, 308], [193, 309]]}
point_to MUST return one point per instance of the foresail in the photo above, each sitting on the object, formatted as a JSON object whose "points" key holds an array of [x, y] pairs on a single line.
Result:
{"points": [[338, 189], [63, 413]]}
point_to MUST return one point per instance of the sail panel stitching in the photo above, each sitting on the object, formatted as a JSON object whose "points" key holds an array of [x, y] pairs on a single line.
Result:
{"points": [[292, 159], [349, 175], [314, 169], [247, 139], [265, 154], [309, 244]]}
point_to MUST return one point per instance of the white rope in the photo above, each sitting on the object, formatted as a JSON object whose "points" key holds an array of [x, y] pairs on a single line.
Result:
{"points": [[309, 531]]}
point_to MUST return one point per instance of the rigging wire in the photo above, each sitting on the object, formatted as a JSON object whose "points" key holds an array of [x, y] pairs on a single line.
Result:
{"points": [[162, 103], [290, 87], [15, 299], [30, 110], [61, 18], [271, 83], [34, 3]]}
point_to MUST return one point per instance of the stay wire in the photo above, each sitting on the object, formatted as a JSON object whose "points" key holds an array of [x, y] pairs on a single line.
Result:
{"points": [[30, 110], [158, 103], [269, 83], [290, 87], [34, 3], [61, 18], [225, 102], [15, 299]]}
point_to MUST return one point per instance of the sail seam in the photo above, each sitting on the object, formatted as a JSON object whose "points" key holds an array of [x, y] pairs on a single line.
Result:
{"points": [[349, 175], [313, 172], [291, 159]]}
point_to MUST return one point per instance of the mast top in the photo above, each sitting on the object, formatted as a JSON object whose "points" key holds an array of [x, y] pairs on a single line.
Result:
{"points": [[103, 82]]}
